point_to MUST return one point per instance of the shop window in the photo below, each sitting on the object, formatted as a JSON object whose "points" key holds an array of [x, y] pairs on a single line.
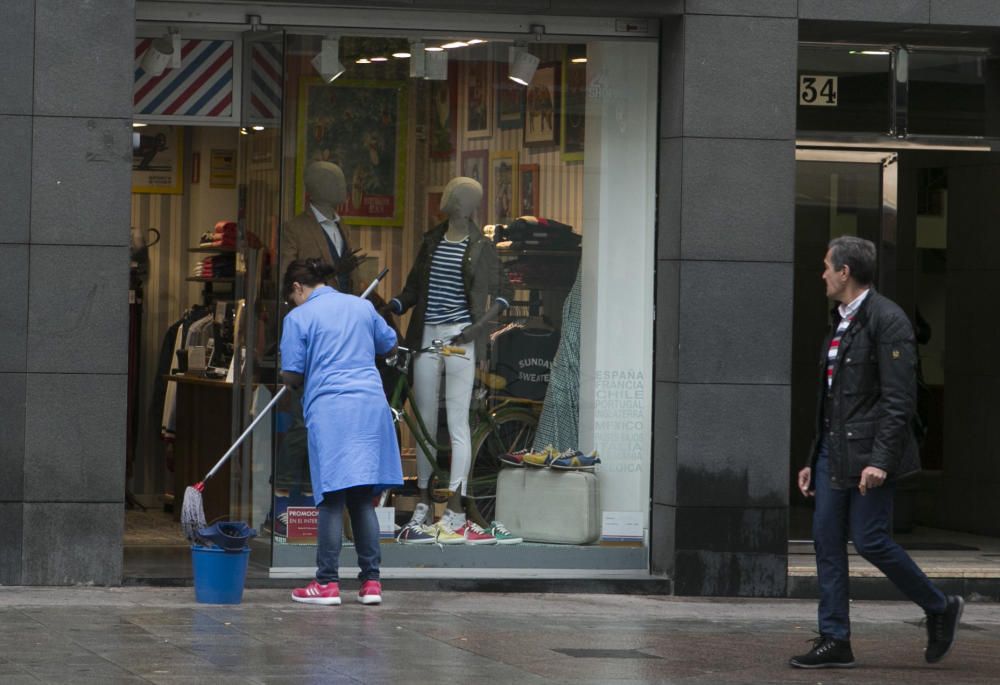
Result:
{"points": [[954, 93], [844, 89], [557, 143]]}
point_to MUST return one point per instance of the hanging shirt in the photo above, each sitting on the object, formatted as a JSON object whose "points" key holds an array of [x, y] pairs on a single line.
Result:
{"points": [[332, 229], [446, 298]]}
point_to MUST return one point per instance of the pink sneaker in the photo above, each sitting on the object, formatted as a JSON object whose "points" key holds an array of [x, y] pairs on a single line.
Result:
{"points": [[475, 535], [371, 592], [317, 593]]}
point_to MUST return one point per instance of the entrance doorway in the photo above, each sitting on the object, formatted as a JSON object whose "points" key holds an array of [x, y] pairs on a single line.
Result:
{"points": [[932, 214]]}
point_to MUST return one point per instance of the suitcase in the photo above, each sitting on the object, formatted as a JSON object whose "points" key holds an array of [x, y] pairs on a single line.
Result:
{"points": [[547, 505]]}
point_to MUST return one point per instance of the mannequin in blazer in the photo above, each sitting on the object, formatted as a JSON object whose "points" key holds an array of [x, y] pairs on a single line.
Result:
{"points": [[317, 232]]}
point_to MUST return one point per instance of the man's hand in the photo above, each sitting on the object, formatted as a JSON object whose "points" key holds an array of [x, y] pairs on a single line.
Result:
{"points": [[805, 479], [871, 477]]}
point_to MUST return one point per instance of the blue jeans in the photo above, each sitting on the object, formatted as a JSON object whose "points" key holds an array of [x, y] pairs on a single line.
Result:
{"points": [[364, 524], [868, 518]]}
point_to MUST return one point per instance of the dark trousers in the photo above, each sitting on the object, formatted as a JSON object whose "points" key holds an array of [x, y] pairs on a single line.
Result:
{"points": [[364, 524], [868, 519]]}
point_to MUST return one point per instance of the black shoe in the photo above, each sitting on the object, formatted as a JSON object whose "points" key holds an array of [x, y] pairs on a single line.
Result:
{"points": [[941, 629], [826, 653]]}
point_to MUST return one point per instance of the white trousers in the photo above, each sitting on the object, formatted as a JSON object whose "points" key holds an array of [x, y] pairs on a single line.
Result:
{"points": [[459, 377]]}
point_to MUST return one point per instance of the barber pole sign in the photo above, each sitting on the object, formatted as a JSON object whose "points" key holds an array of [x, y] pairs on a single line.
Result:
{"points": [[201, 87]]}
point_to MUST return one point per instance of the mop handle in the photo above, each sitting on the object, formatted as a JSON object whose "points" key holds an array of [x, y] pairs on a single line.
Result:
{"points": [[253, 424], [274, 400]]}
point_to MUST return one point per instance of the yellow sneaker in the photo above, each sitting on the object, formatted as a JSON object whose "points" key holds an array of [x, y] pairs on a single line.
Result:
{"points": [[541, 459], [445, 533]]}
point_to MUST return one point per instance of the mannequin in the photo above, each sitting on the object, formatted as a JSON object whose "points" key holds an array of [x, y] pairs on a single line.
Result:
{"points": [[457, 290], [317, 232]]}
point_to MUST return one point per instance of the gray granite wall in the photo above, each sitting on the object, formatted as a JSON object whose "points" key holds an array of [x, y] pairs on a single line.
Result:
{"points": [[65, 108]]}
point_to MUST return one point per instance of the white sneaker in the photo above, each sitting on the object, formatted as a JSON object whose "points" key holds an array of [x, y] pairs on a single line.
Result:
{"points": [[420, 513]]}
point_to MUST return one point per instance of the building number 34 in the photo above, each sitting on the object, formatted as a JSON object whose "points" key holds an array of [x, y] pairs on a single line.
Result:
{"points": [[818, 91]]}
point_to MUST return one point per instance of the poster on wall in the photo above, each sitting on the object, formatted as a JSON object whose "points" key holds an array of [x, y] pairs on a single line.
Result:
{"points": [[475, 165], [157, 160], [503, 187], [444, 115], [541, 119], [222, 169], [573, 111], [478, 99], [356, 125], [509, 99], [527, 190]]}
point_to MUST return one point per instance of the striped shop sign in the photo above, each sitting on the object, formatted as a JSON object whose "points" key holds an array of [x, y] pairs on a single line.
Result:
{"points": [[201, 87], [264, 102]]}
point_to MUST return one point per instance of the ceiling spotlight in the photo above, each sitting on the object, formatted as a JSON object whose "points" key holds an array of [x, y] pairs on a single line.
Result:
{"points": [[577, 53], [579, 60], [243, 131], [436, 66], [257, 128], [475, 41], [434, 48], [400, 55], [417, 62], [163, 52], [327, 61], [522, 66], [380, 59], [454, 44], [138, 124], [362, 60]]}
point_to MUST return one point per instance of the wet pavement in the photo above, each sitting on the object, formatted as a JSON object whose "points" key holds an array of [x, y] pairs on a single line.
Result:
{"points": [[161, 635]]}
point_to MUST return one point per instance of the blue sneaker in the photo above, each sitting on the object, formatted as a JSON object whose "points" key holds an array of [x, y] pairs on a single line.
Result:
{"points": [[575, 460]]}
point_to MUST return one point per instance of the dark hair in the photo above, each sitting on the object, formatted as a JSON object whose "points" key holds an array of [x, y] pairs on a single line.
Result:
{"points": [[310, 272], [858, 254]]}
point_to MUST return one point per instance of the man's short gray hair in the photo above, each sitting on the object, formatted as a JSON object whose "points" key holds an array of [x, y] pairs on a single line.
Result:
{"points": [[858, 254]]}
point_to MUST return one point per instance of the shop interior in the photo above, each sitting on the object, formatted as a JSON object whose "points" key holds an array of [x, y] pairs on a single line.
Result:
{"points": [[213, 194]]}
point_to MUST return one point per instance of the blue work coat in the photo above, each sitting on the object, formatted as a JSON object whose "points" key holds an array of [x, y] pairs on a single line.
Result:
{"points": [[332, 339]]}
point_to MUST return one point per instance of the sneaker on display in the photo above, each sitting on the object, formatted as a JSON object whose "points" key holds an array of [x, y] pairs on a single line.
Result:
{"points": [[475, 535], [542, 458], [318, 593], [514, 458], [370, 592], [414, 533], [502, 535], [446, 533], [455, 519], [575, 460]]}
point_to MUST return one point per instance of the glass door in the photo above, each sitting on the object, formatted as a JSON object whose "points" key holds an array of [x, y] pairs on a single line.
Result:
{"points": [[837, 193], [254, 373]]}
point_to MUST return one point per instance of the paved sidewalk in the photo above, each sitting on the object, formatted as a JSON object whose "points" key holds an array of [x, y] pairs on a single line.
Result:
{"points": [[160, 635]]}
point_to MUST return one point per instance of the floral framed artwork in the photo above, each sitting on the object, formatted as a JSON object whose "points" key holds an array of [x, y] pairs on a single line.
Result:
{"points": [[573, 111], [158, 160], [527, 186], [478, 95], [509, 99], [475, 165], [541, 109], [356, 125], [444, 115], [503, 187]]}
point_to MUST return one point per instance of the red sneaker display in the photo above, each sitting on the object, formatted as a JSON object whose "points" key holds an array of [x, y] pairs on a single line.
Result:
{"points": [[317, 593], [371, 592]]}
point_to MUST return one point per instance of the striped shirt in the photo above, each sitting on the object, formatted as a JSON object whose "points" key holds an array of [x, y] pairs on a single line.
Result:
{"points": [[446, 298], [847, 313]]}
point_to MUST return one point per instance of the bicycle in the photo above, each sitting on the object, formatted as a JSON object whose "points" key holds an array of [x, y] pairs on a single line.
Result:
{"points": [[499, 425]]}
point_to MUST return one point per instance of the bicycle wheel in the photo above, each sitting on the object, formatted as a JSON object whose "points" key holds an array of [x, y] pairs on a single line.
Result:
{"points": [[507, 431]]}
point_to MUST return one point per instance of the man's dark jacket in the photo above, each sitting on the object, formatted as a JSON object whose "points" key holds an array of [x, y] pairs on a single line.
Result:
{"points": [[866, 415]]}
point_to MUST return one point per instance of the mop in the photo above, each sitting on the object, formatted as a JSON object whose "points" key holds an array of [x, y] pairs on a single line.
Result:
{"points": [[193, 509]]}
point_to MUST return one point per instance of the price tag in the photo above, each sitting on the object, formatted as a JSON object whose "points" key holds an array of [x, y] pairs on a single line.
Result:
{"points": [[817, 91]]}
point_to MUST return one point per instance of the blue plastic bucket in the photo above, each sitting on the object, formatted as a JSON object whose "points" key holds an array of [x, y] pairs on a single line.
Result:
{"points": [[219, 575]]}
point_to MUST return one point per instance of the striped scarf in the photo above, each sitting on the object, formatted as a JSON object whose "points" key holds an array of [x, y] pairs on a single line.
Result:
{"points": [[831, 354]]}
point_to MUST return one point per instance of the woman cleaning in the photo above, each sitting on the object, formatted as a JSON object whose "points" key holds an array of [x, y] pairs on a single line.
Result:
{"points": [[328, 347]]}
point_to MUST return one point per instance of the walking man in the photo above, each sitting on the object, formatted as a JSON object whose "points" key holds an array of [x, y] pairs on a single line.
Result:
{"points": [[864, 443]]}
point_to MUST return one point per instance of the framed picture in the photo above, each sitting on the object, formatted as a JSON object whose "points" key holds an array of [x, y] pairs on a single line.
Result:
{"points": [[573, 111], [356, 125], [475, 164], [503, 187], [158, 160], [444, 115], [541, 109], [434, 213], [527, 185], [478, 91], [509, 99]]}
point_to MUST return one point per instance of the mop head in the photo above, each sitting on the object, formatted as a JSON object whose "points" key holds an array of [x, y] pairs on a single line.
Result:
{"points": [[192, 514]]}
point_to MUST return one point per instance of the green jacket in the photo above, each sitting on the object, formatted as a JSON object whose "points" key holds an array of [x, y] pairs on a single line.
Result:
{"points": [[483, 273]]}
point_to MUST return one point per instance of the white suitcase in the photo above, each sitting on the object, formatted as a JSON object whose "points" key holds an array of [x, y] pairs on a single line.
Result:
{"points": [[548, 505]]}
